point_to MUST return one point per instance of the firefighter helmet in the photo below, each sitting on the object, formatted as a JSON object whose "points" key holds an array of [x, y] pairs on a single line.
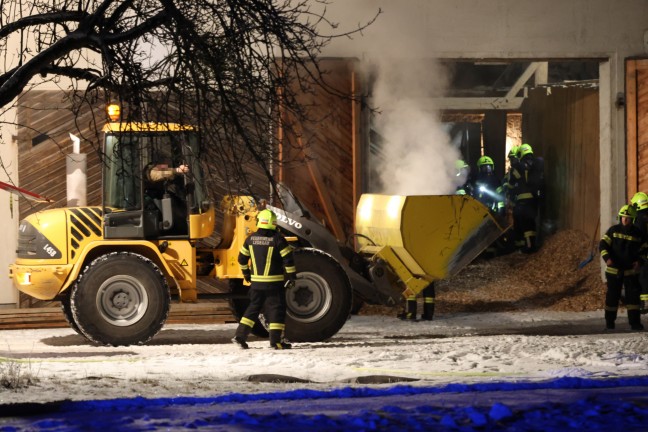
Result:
{"points": [[627, 211], [514, 152], [461, 164], [639, 201], [524, 150], [484, 160], [267, 219]]}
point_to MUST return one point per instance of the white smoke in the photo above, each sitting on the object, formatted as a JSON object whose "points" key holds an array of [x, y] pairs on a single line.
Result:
{"points": [[418, 155]]}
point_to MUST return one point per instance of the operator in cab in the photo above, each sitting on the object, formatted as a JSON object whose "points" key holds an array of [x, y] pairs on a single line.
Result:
{"points": [[166, 181]]}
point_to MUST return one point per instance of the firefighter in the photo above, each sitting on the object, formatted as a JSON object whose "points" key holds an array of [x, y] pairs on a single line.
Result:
{"points": [[487, 186], [263, 259], [622, 248], [463, 178], [411, 305], [528, 177], [640, 203], [511, 177]]}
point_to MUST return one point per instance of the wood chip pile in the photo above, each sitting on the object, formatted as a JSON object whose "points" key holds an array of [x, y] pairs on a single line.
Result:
{"points": [[549, 279]]}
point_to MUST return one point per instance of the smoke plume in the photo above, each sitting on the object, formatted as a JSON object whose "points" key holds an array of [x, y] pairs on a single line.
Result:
{"points": [[417, 156]]}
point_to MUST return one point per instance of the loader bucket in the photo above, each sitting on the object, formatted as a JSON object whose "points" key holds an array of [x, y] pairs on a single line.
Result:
{"points": [[434, 236]]}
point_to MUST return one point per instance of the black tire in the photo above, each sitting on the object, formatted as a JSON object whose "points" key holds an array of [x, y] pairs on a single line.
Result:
{"points": [[240, 302], [357, 305], [320, 303], [121, 298], [66, 307]]}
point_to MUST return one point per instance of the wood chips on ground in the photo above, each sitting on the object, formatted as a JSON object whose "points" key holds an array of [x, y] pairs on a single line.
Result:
{"points": [[549, 279]]}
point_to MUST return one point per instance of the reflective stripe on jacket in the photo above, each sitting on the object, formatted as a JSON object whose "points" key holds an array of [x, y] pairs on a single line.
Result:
{"points": [[265, 255]]}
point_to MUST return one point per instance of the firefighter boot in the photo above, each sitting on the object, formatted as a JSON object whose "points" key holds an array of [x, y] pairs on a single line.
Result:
{"points": [[610, 318], [277, 341], [643, 303], [634, 319], [428, 309], [242, 332], [411, 309]]}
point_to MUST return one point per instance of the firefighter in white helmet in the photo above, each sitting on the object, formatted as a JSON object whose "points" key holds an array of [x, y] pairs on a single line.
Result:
{"points": [[640, 203]]}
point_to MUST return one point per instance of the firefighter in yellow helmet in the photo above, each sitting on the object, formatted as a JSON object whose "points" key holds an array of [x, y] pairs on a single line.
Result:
{"points": [[528, 177], [640, 203], [622, 249], [462, 181], [264, 258], [487, 185]]}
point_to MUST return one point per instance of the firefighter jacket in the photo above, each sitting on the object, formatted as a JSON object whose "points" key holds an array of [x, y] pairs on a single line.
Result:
{"points": [[264, 256], [511, 181], [641, 221], [486, 191], [527, 179], [624, 245]]}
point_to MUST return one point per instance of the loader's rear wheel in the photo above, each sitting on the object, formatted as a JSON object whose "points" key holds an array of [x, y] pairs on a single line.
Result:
{"points": [[66, 307], [240, 302], [320, 302], [121, 298]]}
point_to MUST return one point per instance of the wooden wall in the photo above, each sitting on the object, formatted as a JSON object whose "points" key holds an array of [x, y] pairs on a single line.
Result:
{"points": [[321, 161], [562, 126], [637, 125], [44, 144]]}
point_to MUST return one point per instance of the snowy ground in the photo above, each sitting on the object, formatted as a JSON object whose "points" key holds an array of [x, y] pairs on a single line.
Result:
{"points": [[200, 360]]}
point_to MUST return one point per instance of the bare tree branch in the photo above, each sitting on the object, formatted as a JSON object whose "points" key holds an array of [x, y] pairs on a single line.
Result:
{"points": [[224, 65]]}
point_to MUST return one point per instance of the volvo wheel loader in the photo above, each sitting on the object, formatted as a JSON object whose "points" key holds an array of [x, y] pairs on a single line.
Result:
{"points": [[115, 267]]}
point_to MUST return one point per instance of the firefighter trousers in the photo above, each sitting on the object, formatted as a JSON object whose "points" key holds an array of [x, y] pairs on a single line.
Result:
{"points": [[613, 295], [272, 300]]}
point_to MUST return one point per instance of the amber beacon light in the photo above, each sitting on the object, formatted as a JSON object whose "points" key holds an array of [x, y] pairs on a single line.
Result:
{"points": [[113, 112]]}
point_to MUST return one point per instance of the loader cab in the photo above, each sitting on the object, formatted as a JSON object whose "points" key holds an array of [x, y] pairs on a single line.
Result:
{"points": [[137, 207]]}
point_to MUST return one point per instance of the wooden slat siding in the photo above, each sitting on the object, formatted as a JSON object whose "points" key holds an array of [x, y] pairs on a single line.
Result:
{"points": [[562, 126], [42, 168], [640, 126], [330, 145], [180, 313]]}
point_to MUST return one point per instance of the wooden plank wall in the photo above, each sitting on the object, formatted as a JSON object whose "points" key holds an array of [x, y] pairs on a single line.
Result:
{"points": [[45, 116], [637, 125], [562, 126], [325, 176]]}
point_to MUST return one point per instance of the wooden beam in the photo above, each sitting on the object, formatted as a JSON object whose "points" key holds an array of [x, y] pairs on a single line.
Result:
{"points": [[323, 195], [632, 155], [356, 155]]}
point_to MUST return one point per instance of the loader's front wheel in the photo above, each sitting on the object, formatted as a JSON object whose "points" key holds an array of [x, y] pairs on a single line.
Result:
{"points": [[320, 302], [66, 307], [121, 298]]}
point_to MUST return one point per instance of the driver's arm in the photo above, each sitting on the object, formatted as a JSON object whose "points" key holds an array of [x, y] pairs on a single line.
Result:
{"points": [[164, 172]]}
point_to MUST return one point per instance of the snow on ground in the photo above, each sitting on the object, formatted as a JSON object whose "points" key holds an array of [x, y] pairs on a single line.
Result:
{"points": [[200, 360]]}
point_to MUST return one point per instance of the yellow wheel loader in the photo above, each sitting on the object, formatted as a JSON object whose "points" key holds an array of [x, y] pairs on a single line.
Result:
{"points": [[115, 267]]}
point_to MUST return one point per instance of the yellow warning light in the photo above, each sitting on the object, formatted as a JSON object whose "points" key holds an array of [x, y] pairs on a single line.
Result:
{"points": [[114, 112]]}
